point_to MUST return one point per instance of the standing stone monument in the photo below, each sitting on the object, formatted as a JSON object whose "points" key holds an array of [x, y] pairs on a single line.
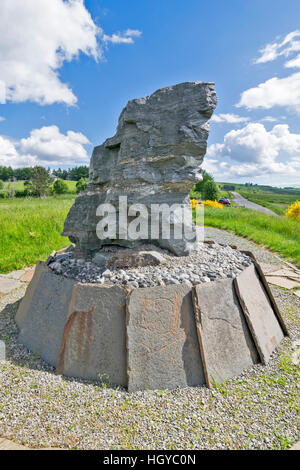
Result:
{"points": [[154, 158], [188, 330]]}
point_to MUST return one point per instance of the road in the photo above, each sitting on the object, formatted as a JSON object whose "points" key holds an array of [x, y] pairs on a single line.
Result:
{"points": [[241, 201]]}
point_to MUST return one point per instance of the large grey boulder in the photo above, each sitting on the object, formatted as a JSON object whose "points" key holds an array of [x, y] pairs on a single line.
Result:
{"points": [[154, 158]]}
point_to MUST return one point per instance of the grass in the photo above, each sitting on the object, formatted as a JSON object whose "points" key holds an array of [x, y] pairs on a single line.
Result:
{"points": [[30, 229], [278, 234]]}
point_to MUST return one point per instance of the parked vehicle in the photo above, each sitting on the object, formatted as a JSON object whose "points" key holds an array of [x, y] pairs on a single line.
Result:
{"points": [[225, 201]]}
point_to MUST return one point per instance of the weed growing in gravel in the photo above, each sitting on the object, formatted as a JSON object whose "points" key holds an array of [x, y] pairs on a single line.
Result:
{"points": [[285, 442]]}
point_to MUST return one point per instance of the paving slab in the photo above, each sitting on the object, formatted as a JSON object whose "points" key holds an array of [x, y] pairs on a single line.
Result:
{"points": [[282, 282], [162, 346], [94, 337], [6, 444], [260, 316], [284, 273], [227, 345], [16, 274], [28, 275], [266, 268], [7, 285], [43, 314]]}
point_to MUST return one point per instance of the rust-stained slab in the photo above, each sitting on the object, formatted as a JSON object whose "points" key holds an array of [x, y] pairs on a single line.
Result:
{"points": [[93, 344], [260, 315], [227, 345], [162, 344]]}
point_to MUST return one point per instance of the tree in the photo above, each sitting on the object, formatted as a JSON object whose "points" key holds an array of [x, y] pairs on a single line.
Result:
{"points": [[210, 191], [79, 172], [60, 187], [6, 173], [199, 187], [81, 184], [40, 181], [1, 184]]}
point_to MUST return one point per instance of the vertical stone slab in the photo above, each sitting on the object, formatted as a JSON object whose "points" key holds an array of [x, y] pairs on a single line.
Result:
{"points": [[162, 344], [227, 347], [94, 337], [47, 309], [265, 328], [27, 299]]}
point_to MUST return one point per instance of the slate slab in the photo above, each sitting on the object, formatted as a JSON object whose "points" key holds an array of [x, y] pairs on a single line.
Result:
{"points": [[94, 337], [27, 299], [227, 345], [43, 314], [162, 345], [260, 316]]}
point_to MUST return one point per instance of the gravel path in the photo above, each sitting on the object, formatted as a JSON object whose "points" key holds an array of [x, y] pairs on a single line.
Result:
{"points": [[257, 410], [241, 201]]}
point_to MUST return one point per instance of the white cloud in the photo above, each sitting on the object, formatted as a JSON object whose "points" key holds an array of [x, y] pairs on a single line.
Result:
{"points": [[277, 91], [122, 38], [36, 38], [229, 118], [49, 145], [2, 118], [46, 146], [289, 45], [274, 92], [269, 119], [252, 151]]}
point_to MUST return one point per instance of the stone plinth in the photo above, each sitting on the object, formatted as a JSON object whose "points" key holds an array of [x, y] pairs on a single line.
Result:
{"points": [[152, 338]]}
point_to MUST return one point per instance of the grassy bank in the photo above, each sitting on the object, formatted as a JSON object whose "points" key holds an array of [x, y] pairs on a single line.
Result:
{"points": [[276, 202], [30, 229], [278, 234]]}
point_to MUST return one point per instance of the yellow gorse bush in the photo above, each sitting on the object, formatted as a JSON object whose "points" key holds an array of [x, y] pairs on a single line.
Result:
{"points": [[214, 204], [293, 211], [194, 203]]}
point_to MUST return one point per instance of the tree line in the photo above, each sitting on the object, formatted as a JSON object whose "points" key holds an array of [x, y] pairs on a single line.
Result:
{"points": [[7, 173]]}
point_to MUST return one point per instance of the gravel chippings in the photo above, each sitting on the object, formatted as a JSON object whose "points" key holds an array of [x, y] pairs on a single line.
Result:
{"points": [[208, 263], [257, 410]]}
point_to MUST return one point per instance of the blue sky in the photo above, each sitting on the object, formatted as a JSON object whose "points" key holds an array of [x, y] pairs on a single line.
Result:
{"points": [[67, 68]]}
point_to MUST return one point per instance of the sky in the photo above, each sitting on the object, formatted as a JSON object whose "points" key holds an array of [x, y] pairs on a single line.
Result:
{"points": [[68, 67]]}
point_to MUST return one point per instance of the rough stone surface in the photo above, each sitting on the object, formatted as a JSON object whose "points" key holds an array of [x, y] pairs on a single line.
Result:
{"points": [[93, 344], [154, 158], [228, 348], [43, 314], [259, 314], [162, 344], [135, 258]]}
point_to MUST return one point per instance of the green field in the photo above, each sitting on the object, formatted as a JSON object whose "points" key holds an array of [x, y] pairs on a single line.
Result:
{"points": [[276, 233], [30, 229]]}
